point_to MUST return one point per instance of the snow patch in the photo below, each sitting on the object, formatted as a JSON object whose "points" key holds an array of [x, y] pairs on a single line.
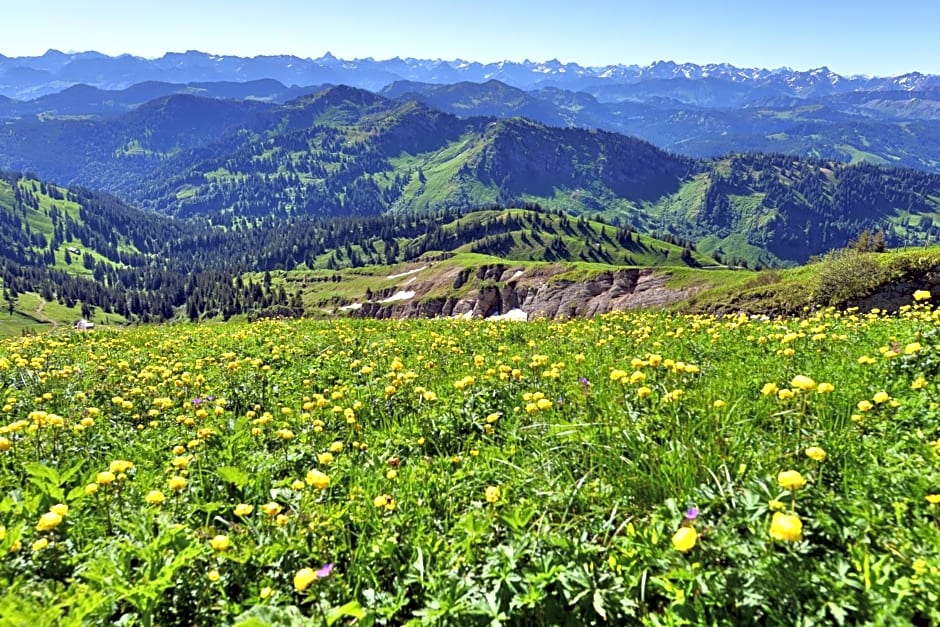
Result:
{"points": [[401, 274], [353, 307], [515, 315], [518, 274], [400, 295]]}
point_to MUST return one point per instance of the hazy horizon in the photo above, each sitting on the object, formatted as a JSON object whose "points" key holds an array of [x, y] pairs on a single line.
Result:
{"points": [[863, 37]]}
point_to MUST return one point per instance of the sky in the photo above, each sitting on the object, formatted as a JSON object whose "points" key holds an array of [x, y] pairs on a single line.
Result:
{"points": [[874, 37]]}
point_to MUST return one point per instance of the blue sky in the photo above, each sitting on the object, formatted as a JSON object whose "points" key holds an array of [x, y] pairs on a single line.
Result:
{"points": [[849, 36]]}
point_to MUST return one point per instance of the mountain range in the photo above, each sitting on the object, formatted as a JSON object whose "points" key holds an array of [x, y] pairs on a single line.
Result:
{"points": [[209, 173], [342, 152], [31, 77], [697, 111]]}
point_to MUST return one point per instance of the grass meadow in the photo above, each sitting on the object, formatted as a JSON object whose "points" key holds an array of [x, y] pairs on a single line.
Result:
{"points": [[636, 468]]}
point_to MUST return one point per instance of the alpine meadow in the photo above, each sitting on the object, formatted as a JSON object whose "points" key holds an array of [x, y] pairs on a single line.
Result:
{"points": [[294, 340]]}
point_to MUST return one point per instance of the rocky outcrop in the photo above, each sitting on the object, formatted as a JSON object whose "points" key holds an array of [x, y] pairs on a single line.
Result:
{"points": [[540, 293]]}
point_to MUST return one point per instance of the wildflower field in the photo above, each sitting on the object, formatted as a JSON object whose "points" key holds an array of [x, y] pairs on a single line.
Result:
{"points": [[637, 468]]}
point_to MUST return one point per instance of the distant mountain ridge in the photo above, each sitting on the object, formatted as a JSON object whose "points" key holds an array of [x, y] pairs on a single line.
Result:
{"points": [[32, 77]]}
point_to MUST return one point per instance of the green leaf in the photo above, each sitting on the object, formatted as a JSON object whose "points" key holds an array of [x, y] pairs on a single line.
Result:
{"points": [[71, 472], [351, 610], [231, 474], [267, 616], [42, 473], [52, 490]]}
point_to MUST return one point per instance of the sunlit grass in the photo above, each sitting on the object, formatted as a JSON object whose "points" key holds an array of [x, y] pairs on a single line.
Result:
{"points": [[634, 468]]}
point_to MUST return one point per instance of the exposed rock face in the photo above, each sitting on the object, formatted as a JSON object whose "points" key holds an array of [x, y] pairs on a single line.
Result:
{"points": [[499, 288]]}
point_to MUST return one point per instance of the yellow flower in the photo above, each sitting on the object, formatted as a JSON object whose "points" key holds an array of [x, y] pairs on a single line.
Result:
{"points": [[816, 453], [105, 478], [120, 465], [40, 544], [155, 497], [824, 388], [5, 444], [336, 447], [912, 348], [919, 383], [786, 527], [719, 404], [297, 484], [176, 483], [48, 521], [91, 488], [325, 458], [881, 397], [3, 532], [769, 389], [785, 394], [318, 480], [933, 499], [220, 543], [266, 592], [271, 509], [684, 539], [244, 509], [213, 575], [776, 506], [303, 578], [60, 508], [921, 295], [864, 405], [791, 480], [802, 382], [492, 494], [384, 500], [643, 392]]}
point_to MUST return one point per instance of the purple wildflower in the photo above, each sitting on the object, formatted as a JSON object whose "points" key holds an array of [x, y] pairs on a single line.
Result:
{"points": [[325, 571], [691, 513], [584, 381]]}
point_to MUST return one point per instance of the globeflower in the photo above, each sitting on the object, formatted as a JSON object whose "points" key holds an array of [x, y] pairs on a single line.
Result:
{"points": [[816, 453], [921, 295], [786, 527], [791, 480], [303, 578], [120, 465], [684, 539], [155, 497], [105, 478], [881, 397], [243, 509], [492, 494], [48, 521], [176, 483], [318, 480], [220, 543], [802, 382], [384, 500]]}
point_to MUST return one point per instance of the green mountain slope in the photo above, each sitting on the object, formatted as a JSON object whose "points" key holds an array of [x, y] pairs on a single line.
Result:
{"points": [[771, 209], [345, 152]]}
